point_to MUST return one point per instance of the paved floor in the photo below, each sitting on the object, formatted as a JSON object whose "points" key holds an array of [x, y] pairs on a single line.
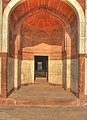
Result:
{"points": [[43, 113], [42, 92], [44, 95]]}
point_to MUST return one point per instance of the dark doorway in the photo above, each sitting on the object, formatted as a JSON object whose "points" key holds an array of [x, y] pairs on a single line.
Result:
{"points": [[41, 67]]}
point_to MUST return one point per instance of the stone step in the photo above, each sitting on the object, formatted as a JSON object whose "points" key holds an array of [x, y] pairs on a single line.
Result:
{"points": [[41, 95], [29, 102]]}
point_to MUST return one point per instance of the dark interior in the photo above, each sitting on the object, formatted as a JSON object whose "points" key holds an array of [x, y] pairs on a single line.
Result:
{"points": [[41, 66]]}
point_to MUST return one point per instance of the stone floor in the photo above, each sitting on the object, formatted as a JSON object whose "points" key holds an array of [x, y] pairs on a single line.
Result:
{"points": [[43, 113], [43, 102], [39, 94]]}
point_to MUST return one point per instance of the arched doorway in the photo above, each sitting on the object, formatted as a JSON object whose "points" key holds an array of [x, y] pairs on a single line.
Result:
{"points": [[65, 57]]}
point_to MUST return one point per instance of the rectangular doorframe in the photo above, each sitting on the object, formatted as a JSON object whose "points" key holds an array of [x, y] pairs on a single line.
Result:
{"points": [[46, 68]]}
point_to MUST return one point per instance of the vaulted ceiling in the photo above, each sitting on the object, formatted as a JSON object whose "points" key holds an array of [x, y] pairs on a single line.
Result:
{"points": [[43, 14], [81, 2], [42, 20]]}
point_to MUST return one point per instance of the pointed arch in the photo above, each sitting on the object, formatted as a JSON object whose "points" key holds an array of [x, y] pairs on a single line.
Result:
{"points": [[73, 3]]}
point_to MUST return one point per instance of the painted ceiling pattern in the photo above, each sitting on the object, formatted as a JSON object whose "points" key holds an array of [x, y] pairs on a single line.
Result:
{"points": [[81, 2], [44, 15], [58, 6], [42, 21]]}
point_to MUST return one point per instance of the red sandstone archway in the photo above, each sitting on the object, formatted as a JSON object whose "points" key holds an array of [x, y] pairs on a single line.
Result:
{"points": [[65, 20], [52, 26]]}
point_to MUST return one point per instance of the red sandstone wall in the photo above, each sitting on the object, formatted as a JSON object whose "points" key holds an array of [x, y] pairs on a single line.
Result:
{"points": [[82, 3], [52, 46], [42, 44], [74, 38], [36, 42], [11, 41], [5, 3]]}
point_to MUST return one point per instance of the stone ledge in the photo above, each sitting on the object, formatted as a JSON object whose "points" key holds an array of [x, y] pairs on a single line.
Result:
{"points": [[23, 102]]}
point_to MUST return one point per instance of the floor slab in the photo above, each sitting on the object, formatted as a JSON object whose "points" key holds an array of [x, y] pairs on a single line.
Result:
{"points": [[37, 94]]}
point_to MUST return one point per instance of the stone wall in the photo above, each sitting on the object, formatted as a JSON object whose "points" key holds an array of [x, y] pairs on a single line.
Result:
{"points": [[0, 75], [70, 74], [38, 42], [74, 75], [82, 3], [27, 71], [41, 44], [55, 71], [64, 83], [0, 23], [0, 38], [10, 75], [17, 73], [86, 76]]}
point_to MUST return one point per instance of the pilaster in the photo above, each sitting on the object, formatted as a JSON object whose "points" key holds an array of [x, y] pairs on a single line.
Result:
{"points": [[81, 75], [4, 58]]}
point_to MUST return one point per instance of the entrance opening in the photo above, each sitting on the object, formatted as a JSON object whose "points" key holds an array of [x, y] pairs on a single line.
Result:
{"points": [[41, 67], [44, 29]]}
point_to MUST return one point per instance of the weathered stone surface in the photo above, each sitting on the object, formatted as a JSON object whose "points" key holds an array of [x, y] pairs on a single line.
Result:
{"points": [[0, 75], [27, 71], [74, 75], [55, 72], [10, 75], [0, 23], [51, 28]]}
